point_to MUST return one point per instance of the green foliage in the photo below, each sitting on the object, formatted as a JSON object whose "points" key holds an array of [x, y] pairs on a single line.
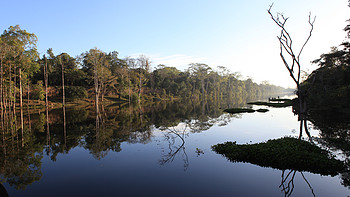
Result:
{"points": [[262, 110], [134, 97], [38, 92], [105, 74], [328, 87], [75, 92], [284, 153]]}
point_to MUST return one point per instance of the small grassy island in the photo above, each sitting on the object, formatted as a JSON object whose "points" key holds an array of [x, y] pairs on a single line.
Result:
{"points": [[274, 103], [283, 153], [244, 110], [239, 110]]}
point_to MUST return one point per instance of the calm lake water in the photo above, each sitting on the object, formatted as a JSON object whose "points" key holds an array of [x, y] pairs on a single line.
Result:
{"points": [[159, 150]]}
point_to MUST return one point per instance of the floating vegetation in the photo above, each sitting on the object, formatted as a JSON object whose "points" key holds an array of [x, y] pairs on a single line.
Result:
{"points": [[239, 110], [283, 153], [278, 99], [281, 103], [262, 110]]}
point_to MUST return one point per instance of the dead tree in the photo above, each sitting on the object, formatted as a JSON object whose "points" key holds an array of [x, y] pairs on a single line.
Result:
{"points": [[293, 65]]}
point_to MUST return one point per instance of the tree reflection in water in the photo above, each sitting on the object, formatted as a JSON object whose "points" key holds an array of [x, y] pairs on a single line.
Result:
{"points": [[59, 132], [171, 135], [287, 183]]}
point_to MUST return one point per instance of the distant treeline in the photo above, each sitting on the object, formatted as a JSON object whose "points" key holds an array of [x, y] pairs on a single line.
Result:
{"points": [[97, 74]]}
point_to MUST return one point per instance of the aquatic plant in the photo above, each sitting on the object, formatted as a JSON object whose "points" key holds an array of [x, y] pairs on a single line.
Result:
{"points": [[262, 110], [281, 103], [283, 153], [239, 110]]}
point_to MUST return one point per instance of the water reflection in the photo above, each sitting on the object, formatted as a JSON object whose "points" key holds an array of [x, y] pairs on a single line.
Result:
{"points": [[3, 191], [287, 183], [334, 136], [25, 137], [58, 132], [174, 149]]}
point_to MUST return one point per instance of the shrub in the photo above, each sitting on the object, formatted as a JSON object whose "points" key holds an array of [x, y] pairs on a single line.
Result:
{"points": [[75, 92], [38, 92]]}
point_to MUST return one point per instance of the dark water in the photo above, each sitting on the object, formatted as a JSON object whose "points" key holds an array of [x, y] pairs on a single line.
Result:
{"points": [[159, 150]]}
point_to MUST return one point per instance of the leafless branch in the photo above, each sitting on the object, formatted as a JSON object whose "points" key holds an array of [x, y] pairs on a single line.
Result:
{"points": [[311, 23], [286, 41]]}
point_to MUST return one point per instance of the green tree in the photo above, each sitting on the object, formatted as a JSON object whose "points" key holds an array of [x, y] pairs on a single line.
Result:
{"points": [[200, 72], [24, 51]]}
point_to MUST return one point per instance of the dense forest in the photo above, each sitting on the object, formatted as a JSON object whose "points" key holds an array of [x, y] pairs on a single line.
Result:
{"points": [[328, 87], [96, 74]]}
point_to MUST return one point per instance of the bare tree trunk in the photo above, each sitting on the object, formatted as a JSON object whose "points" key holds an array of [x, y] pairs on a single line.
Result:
{"points": [[14, 90], [286, 41], [20, 88], [203, 89], [46, 84], [140, 87], [1, 86], [10, 88], [28, 92], [63, 93], [22, 127], [129, 86], [96, 86]]}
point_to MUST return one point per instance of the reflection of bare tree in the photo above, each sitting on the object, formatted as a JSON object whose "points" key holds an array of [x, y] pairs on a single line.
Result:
{"points": [[287, 183], [303, 122], [3, 191], [171, 136]]}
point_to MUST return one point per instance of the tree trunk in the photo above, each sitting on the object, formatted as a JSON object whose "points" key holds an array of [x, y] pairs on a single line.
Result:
{"points": [[46, 83], [129, 87], [14, 90], [63, 94], [140, 86], [96, 86], [20, 88], [203, 89], [28, 91], [1, 91], [9, 96]]}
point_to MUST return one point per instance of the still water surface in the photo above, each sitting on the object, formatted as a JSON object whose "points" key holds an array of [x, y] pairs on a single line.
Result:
{"points": [[163, 150]]}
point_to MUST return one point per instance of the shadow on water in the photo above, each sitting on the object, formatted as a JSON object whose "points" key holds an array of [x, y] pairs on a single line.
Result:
{"points": [[334, 136]]}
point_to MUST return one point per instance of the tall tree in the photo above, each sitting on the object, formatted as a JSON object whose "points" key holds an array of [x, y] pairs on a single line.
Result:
{"points": [[293, 67], [144, 65], [201, 72], [24, 44], [95, 62]]}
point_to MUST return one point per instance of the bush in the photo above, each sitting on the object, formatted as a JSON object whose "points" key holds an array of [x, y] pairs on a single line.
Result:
{"points": [[38, 92], [134, 97], [75, 92]]}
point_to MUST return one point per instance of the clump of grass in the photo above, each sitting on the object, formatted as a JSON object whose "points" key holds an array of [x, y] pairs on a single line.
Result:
{"points": [[278, 99], [284, 153], [262, 110], [239, 110], [285, 103]]}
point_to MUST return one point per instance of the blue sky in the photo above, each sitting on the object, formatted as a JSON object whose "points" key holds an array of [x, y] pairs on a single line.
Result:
{"points": [[236, 34]]}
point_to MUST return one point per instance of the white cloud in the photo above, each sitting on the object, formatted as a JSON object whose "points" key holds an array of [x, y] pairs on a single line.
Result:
{"points": [[180, 61]]}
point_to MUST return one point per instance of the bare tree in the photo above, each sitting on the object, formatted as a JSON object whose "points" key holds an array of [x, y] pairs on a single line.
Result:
{"points": [[293, 66]]}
